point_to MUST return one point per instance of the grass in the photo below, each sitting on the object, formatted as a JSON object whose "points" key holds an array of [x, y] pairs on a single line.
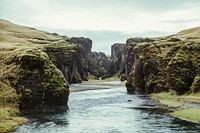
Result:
{"points": [[170, 103], [166, 99], [170, 100], [180, 104], [191, 114]]}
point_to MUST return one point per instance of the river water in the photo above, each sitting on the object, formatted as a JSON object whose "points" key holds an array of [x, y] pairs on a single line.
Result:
{"points": [[108, 110]]}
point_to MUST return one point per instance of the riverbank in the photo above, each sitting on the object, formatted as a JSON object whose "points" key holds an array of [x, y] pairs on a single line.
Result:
{"points": [[185, 107]]}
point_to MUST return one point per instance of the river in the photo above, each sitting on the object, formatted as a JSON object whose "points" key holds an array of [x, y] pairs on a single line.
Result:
{"points": [[107, 109]]}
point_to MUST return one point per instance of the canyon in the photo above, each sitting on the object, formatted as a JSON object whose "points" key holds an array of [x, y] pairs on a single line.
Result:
{"points": [[37, 67]]}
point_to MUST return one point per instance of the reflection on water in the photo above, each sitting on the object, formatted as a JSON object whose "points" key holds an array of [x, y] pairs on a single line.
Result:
{"points": [[108, 111]]}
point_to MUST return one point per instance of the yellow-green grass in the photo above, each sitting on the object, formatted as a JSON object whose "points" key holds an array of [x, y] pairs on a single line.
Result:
{"points": [[170, 103], [170, 100], [166, 99], [192, 114]]}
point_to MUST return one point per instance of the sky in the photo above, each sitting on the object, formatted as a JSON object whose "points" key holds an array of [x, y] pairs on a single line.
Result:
{"points": [[104, 21]]}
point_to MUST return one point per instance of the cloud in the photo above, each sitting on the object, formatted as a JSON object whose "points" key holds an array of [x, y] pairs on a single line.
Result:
{"points": [[123, 17]]}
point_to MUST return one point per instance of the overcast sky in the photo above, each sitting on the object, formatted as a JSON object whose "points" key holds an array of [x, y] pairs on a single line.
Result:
{"points": [[104, 21]]}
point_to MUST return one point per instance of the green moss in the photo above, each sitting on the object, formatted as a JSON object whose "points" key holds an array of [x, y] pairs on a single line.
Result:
{"points": [[191, 114], [181, 70]]}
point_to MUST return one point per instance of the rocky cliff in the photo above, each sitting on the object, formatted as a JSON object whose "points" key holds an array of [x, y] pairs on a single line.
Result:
{"points": [[97, 62], [162, 64], [70, 60], [117, 60]]}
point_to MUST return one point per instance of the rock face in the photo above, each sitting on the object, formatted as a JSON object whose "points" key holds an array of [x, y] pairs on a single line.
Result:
{"points": [[117, 60], [70, 60], [86, 43], [161, 64], [98, 64], [97, 61]]}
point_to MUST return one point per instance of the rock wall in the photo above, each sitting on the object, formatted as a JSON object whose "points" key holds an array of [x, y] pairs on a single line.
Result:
{"points": [[97, 62], [161, 65], [117, 60], [70, 60]]}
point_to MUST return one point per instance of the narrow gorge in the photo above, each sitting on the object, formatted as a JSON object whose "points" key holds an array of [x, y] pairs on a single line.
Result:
{"points": [[37, 67]]}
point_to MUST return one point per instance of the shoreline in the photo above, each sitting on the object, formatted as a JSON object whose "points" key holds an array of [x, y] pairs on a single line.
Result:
{"points": [[185, 107]]}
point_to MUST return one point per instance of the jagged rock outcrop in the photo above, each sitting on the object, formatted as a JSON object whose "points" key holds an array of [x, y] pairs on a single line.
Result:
{"points": [[97, 61], [162, 64], [117, 60], [86, 43]]}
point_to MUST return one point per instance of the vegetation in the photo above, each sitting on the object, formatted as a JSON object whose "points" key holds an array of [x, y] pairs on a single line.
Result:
{"points": [[29, 81], [186, 106], [161, 66], [192, 114], [9, 110], [167, 68]]}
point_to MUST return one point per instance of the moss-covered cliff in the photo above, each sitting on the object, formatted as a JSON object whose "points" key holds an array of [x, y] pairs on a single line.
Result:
{"points": [[41, 87], [70, 60], [161, 64]]}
